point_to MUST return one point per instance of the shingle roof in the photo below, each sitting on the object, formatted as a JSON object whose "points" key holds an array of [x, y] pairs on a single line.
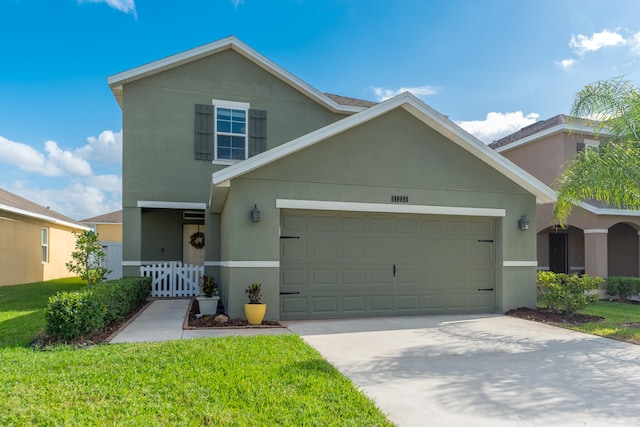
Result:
{"points": [[560, 119], [14, 201], [108, 218], [354, 102]]}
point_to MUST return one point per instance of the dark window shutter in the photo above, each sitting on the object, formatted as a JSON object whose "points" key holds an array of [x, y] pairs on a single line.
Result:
{"points": [[257, 132], [204, 143], [580, 147]]}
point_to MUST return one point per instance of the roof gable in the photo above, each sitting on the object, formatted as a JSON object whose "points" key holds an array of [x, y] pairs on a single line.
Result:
{"points": [[421, 111], [108, 218], [13, 203], [332, 102]]}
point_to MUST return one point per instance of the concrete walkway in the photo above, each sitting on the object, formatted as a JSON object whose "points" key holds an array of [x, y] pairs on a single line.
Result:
{"points": [[162, 320]]}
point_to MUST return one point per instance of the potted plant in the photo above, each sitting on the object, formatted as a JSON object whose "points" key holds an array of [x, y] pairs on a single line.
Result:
{"points": [[255, 309], [209, 295]]}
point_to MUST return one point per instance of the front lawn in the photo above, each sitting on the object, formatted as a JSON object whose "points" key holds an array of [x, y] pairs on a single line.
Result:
{"points": [[22, 309], [616, 315], [233, 381]]}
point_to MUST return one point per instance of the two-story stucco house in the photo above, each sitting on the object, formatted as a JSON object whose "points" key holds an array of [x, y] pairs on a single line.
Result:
{"points": [[597, 240], [339, 207]]}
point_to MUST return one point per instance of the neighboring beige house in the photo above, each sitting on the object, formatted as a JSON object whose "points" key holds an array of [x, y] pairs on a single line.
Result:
{"points": [[338, 207], [108, 226], [35, 242], [598, 240]]}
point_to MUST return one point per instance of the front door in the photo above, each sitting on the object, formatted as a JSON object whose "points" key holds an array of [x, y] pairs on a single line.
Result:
{"points": [[558, 252], [193, 244]]}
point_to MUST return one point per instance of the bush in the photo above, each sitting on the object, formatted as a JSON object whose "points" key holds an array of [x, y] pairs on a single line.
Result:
{"points": [[79, 314], [623, 287], [567, 293]]}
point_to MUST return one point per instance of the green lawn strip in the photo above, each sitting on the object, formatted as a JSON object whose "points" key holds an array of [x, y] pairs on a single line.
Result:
{"points": [[22, 309], [615, 315], [234, 381]]}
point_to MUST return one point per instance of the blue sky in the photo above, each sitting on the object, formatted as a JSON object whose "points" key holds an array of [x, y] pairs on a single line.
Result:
{"points": [[492, 66]]}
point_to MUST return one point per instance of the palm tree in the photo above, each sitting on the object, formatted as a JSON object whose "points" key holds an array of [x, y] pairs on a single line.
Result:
{"points": [[609, 173]]}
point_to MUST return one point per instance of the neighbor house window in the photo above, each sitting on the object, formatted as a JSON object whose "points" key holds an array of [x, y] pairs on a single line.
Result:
{"points": [[45, 244], [231, 130]]}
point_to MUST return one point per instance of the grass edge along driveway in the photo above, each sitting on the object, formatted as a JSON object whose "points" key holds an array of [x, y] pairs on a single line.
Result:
{"points": [[232, 381]]}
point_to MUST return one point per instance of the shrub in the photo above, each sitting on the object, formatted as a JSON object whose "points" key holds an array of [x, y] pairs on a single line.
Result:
{"points": [[623, 287], [567, 293], [79, 314]]}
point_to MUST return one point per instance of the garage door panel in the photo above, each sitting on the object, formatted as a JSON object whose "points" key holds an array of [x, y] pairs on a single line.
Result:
{"points": [[342, 265]]}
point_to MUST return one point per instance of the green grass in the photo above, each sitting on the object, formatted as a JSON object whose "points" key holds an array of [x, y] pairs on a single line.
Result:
{"points": [[615, 314], [22, 309], [233, 381]]}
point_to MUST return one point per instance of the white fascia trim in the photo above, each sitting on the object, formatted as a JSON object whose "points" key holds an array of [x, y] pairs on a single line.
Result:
{"points": [[520, 263], [421, 111], [608, 211], [596, 231], [323, 205], [116, 81], [231, 104], [171, 205], [260, 264], [45, 218], [544, 133]]}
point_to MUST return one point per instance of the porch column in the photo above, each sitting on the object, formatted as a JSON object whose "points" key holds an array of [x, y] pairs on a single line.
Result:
{"points": [[595, 252]]}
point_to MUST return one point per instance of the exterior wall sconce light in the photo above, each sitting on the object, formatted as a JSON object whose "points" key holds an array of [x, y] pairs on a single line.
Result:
{"points": [[523, 223], [255, 214]]}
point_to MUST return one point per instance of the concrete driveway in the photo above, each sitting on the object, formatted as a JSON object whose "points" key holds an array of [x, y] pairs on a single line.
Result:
{"points": [[483, 370]]}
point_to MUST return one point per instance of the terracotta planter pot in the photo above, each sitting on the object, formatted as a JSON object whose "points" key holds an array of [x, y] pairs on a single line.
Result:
{"points": [[255, 313], [208, 305]]}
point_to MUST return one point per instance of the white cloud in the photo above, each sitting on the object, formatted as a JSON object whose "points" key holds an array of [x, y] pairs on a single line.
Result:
{"points": [[77, 200], [583, 44], [66, 161], [108, 183], [237, 3], [126, 6], [382, 94], [498, 125], [54, 162], [566, 64], [107, 147], [634, 42]]}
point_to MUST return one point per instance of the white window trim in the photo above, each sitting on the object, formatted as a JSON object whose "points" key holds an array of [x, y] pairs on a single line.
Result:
{"points": [[234, 105], [44, 245]]}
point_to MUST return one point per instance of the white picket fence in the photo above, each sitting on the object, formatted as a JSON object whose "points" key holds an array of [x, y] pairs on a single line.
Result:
{"points": [[173, 279]]}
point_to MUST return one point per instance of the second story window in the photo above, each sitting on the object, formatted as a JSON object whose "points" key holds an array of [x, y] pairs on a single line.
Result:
{"points": [[231, 134]]}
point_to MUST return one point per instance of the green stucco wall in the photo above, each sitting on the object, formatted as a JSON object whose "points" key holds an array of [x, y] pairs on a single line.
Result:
{"points": [[392, 155]]}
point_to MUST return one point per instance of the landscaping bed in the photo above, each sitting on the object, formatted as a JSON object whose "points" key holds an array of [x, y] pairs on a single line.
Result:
{"points": [[546, 315], [205, 322]]}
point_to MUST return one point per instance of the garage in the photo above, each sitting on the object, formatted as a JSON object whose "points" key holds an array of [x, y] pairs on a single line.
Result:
{"points": [[362, 264]]}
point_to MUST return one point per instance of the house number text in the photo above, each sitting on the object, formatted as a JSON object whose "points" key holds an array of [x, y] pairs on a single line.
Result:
{"points": [[399, 199]]}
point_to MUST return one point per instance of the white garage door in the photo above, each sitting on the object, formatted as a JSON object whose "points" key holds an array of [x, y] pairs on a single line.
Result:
{"points": [[345, 264]]}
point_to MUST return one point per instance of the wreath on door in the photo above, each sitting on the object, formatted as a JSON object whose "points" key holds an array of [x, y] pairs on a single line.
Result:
{"points": [[197, 240]]}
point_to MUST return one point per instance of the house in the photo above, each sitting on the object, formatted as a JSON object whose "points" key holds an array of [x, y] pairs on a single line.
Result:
{"points": [[339, 207], [35, 242], [108, 227], [597, 240]]}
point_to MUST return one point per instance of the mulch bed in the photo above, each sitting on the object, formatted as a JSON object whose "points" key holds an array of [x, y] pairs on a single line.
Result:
{"points": [[549, 316], [195, 322]]}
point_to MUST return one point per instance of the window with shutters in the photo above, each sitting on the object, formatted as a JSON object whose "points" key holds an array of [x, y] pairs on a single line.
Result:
{"points": [[227, 132]]}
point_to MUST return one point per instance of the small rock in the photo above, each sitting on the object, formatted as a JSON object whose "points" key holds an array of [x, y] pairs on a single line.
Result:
{"points": [[220, 318]]}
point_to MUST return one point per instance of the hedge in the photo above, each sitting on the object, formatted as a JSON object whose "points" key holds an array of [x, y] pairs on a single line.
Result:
{"points": [[623, 287], [567, 293], [78, 314]]}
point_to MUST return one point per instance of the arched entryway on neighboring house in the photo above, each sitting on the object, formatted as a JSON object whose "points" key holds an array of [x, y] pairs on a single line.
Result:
{"points": [[561, 250], [622, 250]]}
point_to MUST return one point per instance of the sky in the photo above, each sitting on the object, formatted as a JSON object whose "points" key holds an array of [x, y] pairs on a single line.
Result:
{"points": [[492, 66]]}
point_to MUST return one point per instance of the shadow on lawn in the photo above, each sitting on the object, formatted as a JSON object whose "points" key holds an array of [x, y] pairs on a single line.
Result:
{"points": [[21, 330]]}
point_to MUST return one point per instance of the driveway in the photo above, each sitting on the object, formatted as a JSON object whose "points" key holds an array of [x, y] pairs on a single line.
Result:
{"points": [[483, 370]]}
